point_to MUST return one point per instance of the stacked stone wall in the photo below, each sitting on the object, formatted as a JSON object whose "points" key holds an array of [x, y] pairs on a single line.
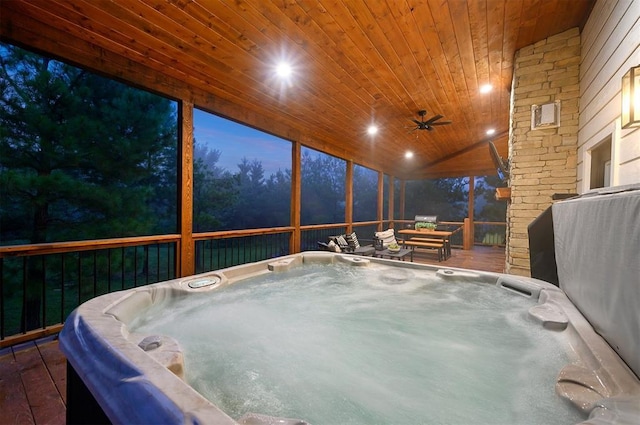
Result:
{"points": [[542, 162]]}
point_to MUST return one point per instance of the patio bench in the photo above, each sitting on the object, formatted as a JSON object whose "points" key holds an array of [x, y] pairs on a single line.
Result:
{"points": [[437, 245]]}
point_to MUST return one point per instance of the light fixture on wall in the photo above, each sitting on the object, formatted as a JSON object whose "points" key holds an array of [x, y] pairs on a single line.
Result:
{"points": [[631, 98]]}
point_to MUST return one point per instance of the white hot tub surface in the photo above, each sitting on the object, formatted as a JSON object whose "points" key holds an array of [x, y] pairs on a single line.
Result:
{"points": [[363, 344]]}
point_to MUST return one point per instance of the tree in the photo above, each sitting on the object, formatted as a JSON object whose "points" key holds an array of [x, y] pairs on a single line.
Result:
{"points": [[215, 190], [323, 189], [81, 157], [488, 208], [365, 194], [447, 198]]}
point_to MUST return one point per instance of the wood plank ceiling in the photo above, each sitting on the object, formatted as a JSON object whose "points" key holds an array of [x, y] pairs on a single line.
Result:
{"points": [[355, 62]]}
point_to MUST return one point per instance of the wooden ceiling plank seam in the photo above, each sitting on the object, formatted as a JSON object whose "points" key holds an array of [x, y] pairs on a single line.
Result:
{"points": [[335, 95], [446, 33], [431, 39], [408, 72], [324, 26], [527, 24], [301, 102], [545, 18], [403, 16], [411, 87], [424, 149], [513, 14], [239, 82], [239, 100], [326, 71], [44, 17], [340, 82], [34, 35], [437, 145], [342, 26], [380, 101], [427, 61], [479, 29], [373, 98], [464, 38], [496, 21], [372, 44], [385, 60], [311, 112], [357, 42], [434, 50]]}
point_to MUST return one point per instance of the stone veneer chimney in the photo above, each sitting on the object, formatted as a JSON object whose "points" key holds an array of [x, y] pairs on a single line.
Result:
{"points": [[543, 162]]}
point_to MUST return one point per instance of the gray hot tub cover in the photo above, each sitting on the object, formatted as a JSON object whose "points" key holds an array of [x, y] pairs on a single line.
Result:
{"points": [[597, 244]]}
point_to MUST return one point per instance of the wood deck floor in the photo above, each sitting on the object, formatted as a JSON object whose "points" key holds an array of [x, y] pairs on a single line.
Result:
{"points": [[33, 374]]}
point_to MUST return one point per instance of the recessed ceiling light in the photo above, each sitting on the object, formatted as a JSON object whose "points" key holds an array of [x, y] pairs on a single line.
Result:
{"points": [[372, 130], [408, 154], [491, 131], [486, 88], [284, 70]]}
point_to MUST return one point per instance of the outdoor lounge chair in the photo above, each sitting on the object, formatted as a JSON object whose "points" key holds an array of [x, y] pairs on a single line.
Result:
{"points": [[350, 244]]}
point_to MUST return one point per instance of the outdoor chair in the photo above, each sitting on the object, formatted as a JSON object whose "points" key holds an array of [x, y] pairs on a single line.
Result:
{"points": [[350, 244], [388, 237]]}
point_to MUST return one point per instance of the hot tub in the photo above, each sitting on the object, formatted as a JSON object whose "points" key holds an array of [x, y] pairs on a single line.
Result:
{"points": [[320, 337]]}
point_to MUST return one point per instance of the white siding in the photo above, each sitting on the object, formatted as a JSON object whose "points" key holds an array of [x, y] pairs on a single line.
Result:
{"points": [[610, 46]]}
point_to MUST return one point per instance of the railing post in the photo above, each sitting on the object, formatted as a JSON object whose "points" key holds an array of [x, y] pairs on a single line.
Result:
{"points": [[467, 234]]}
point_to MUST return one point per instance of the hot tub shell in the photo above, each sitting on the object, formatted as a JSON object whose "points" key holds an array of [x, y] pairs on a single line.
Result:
{"points": [[138, 378]]}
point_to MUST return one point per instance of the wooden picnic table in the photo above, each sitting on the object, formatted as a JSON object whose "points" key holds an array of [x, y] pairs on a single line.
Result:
{"points": [[444, 235]]}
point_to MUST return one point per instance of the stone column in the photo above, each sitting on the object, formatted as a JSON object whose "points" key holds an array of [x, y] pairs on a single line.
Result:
{"points": [[544, 161]]}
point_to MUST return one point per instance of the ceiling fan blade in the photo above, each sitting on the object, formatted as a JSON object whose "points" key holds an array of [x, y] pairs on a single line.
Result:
{"points": [[419, 123], [441, 123], [433, 119]]}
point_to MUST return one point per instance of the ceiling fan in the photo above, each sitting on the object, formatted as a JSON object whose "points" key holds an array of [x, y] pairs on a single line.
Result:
{"points": [[428, 124]]}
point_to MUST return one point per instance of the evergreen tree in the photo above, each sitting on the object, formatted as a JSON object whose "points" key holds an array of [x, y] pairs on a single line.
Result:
{"points": [[215, 191], [447, 198], [323, 189], [81, 157], [365, 194]]}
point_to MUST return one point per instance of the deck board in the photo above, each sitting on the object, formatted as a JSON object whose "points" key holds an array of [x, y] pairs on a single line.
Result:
{"points": [[33, 383], [485, 258], [33, 374], [14, 403]]}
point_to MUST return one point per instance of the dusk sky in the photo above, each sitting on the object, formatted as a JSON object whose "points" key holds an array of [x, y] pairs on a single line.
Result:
{"points": [[237, 141]]}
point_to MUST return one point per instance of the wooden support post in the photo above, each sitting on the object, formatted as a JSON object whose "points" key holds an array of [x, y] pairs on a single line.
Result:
{"points": [[390, 214], [380, 206], [467, 234], [402, 199], [296, 193], [348, 207], [186, 260], [470, 231]]}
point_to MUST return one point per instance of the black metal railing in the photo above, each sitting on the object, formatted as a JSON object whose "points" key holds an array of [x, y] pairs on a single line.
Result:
{"points": [[41, 287], [213, 253], [41, 284]]}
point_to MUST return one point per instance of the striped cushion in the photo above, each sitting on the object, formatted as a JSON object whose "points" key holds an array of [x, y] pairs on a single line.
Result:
{"points": [[342, 242], [352, 240], [388, 237]]}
